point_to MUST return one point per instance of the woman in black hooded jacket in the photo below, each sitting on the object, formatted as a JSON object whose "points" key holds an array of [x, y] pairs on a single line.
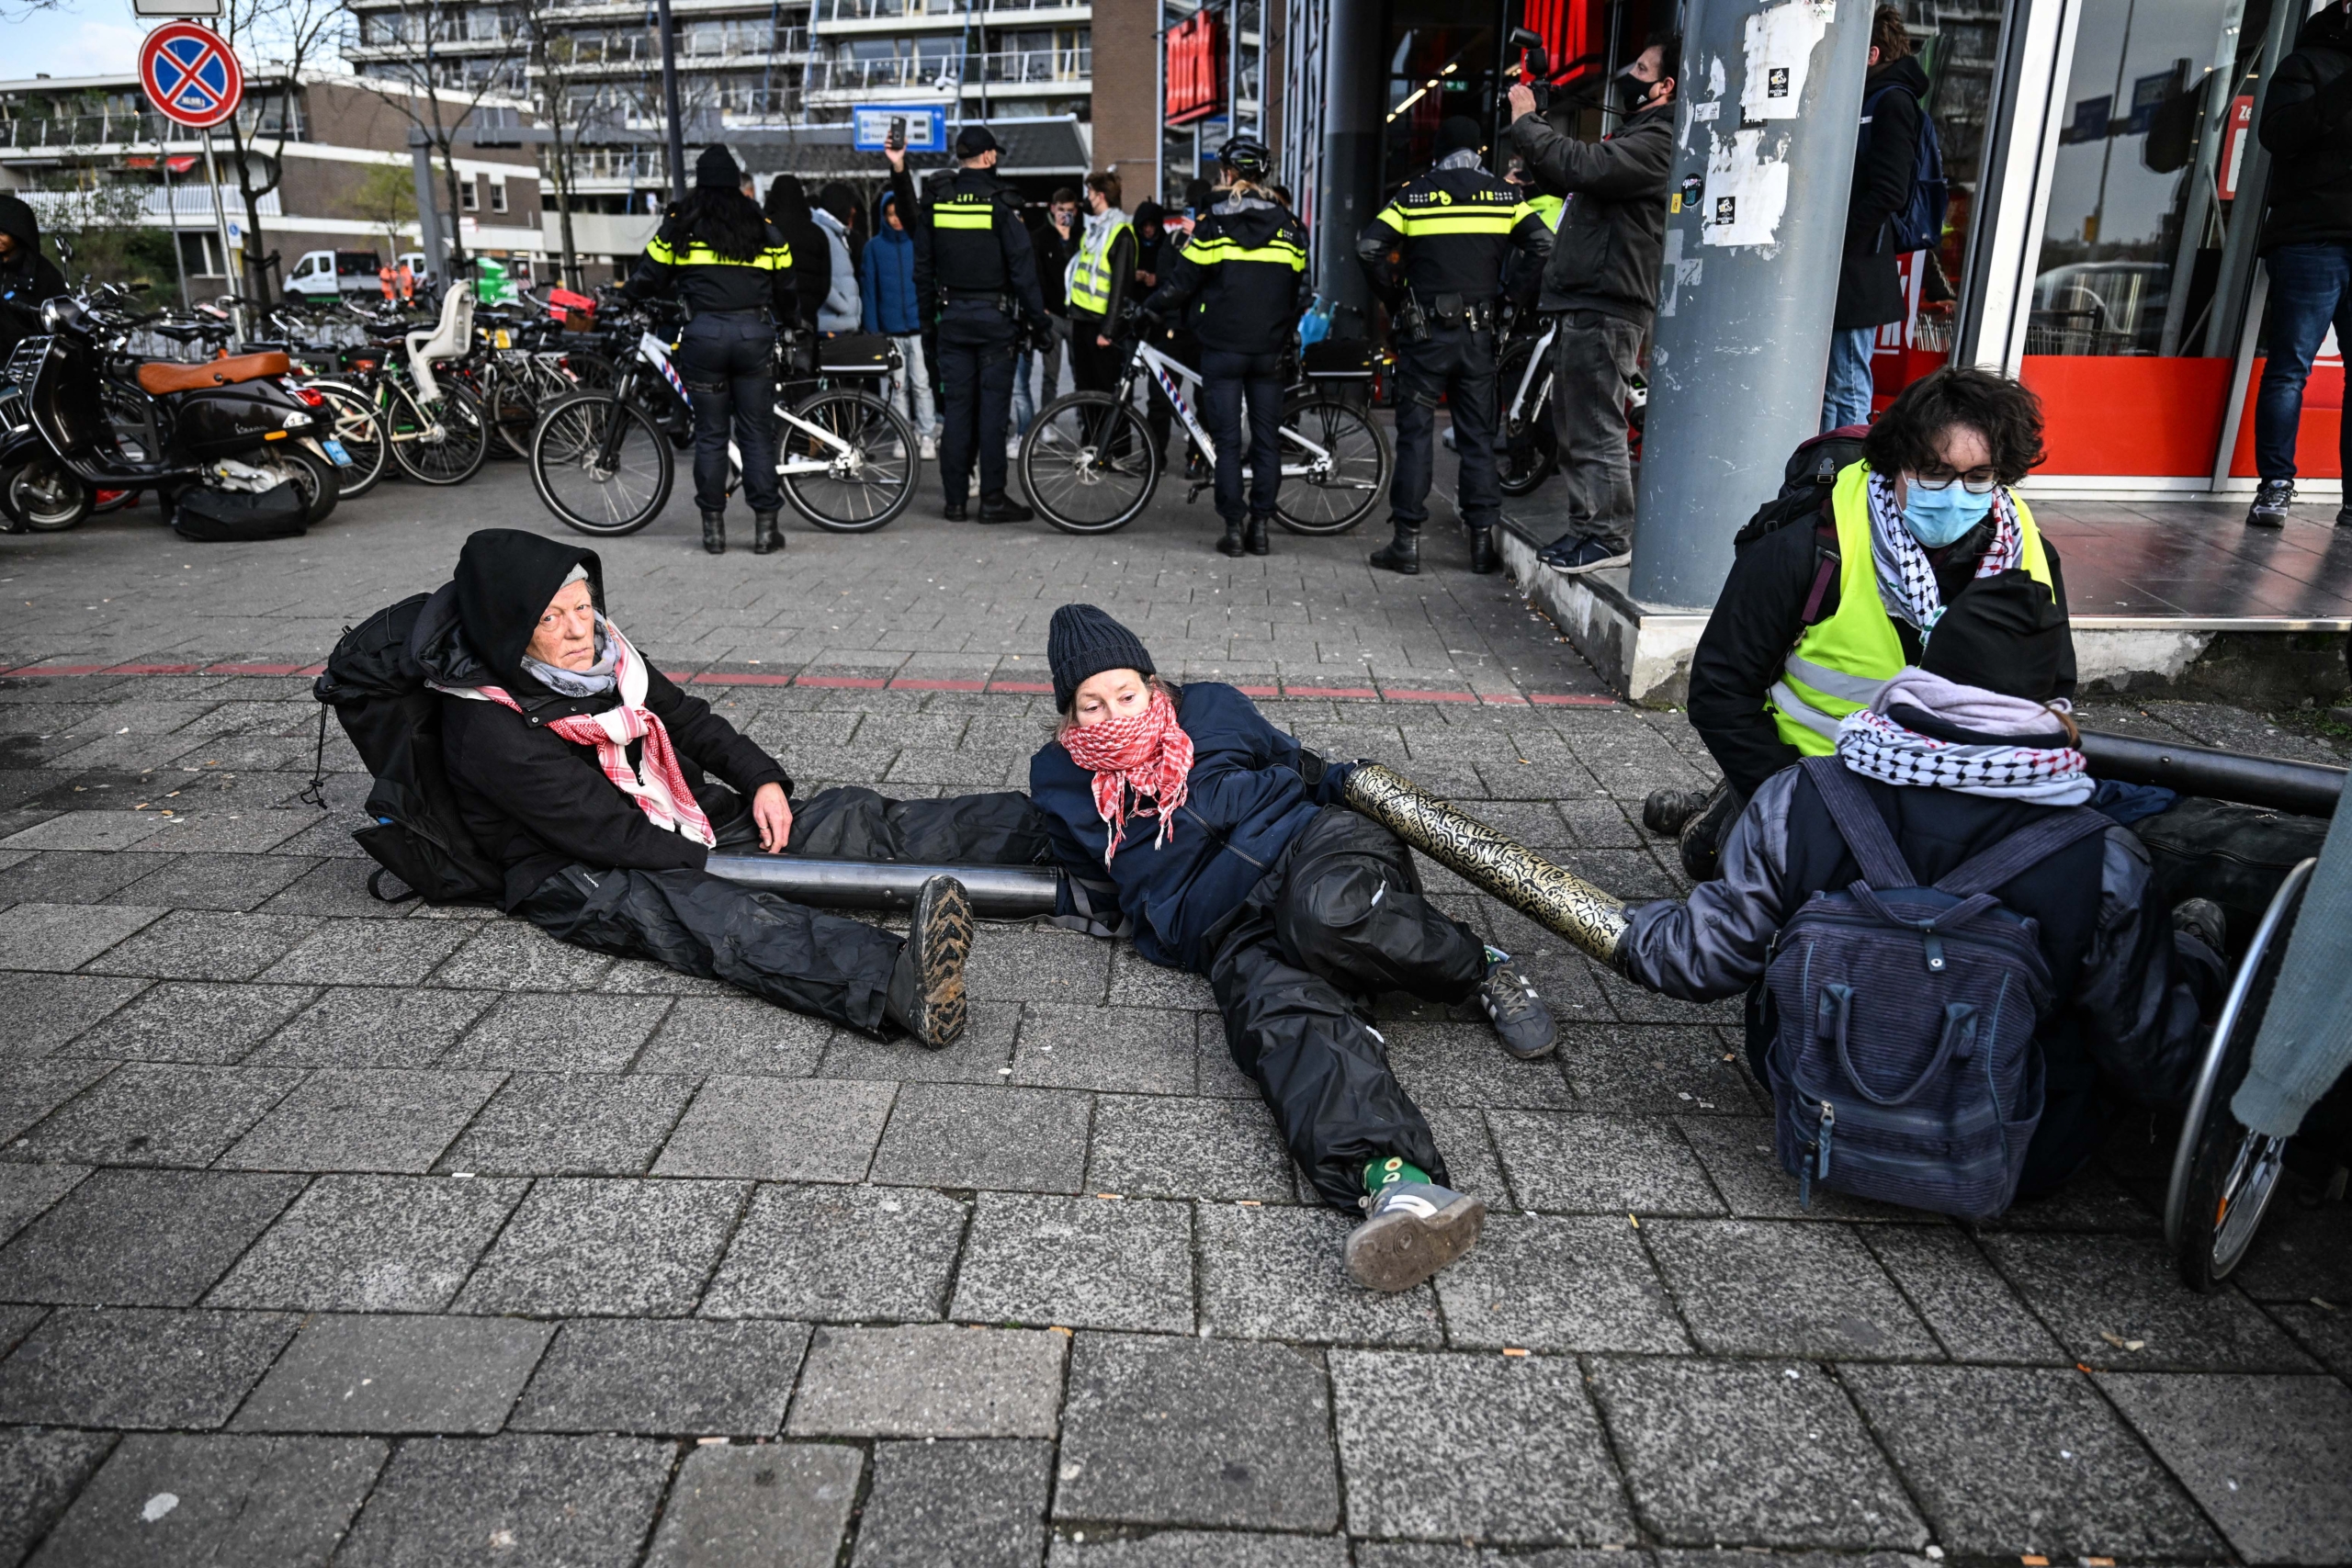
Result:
{"points": [[812, 265]]}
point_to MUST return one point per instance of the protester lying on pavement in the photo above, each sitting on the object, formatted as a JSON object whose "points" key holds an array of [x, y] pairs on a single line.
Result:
{"points": [[579, 768], [1216, 841], [1955, 755]]}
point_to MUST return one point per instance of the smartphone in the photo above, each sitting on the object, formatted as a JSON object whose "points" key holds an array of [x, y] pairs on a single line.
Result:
{"points": [[897, 140]]}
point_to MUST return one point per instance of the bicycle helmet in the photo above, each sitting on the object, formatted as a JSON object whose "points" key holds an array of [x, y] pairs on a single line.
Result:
{"points": [[1247, 156]]}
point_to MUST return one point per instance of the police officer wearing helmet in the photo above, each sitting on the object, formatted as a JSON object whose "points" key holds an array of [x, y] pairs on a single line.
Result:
{"points": [[727, 263], [1437, 255], [1246, 262], [975, 279]]}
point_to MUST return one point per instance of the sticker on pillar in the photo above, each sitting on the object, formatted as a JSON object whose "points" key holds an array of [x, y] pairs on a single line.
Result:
{"points": [[1677, 272], [1746, 191], [1779, 42]]}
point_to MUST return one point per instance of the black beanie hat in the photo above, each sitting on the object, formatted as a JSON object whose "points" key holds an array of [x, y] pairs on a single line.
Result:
{"points": [[1084, 641], [716, 170], [1458, 132], [2005, 633]]}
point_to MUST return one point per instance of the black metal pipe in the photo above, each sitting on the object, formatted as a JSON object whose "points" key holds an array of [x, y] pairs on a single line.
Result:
{"points": [[998, 892], [2308, 789]]}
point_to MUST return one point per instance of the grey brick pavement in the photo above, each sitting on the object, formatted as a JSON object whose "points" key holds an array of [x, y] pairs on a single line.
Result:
{"points": [[338, 1231]]}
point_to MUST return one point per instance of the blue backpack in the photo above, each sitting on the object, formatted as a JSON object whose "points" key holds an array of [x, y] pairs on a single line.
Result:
{"points": [[1902, 1065], [1919, 224]]}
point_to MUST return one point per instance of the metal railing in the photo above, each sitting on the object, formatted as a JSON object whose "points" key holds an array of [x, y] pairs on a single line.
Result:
{"points": [[905, 71], [1016, 66], [76, 209], [126, 129]]}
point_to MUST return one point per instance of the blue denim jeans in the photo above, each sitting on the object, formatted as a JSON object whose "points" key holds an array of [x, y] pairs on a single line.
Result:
{"points": [[1847, 400], [2310, 287]]}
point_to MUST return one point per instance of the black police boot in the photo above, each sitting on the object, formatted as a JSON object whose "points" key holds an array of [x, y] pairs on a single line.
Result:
{"points": [[1231, 544], [1484, 559], [1003, 508], [1403, 553], [954, 511], [766, 534], [1254, 540], [714, 532]]}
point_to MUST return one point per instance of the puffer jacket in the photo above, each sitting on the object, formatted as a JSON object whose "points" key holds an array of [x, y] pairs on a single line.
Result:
{"points": [[1611, 235], [840, 313], [1249, 799], [890, 278]]}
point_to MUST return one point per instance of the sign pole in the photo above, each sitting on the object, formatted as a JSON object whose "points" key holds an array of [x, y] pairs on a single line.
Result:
{"points": [[172, 210], [220, 228], [676, 127]]}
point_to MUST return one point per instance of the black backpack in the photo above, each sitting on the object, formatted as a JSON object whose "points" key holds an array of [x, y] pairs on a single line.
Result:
{"points": [[228, 516], [1807, 483], [374, 684]]}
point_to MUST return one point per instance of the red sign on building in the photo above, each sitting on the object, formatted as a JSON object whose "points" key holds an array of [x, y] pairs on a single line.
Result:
{"points": [[1196, 68]]}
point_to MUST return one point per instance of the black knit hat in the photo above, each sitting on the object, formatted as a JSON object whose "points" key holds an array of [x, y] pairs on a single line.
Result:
{"points": [[1458, 133], [1084, 641], [2005, 633], [716, 170]]}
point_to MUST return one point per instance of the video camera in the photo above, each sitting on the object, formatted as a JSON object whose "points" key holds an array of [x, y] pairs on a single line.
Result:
{"points": [[1533, 69]]}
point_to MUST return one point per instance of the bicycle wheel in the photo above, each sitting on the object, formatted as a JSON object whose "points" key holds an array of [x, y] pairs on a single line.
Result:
{"points": [[589, 370], [1089, 463], [513, 413], [361, 432], [1339, 486], [1530, 447], [865, 486], [441, 446], [569, 471]]}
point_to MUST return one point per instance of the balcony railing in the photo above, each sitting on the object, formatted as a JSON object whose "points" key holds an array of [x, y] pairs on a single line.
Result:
{"points": [[125, 129], [854, 75], [1020, 66], [81, 210], [928, 10]]}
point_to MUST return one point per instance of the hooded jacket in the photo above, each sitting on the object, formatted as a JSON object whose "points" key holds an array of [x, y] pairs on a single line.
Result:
{"points": [[1869, 292], [2307, 127], [812, 267], [536, 803], [840, 312], [1611, 235], [1249, 799], [889, 295], [27, 277], [1246, 261]]}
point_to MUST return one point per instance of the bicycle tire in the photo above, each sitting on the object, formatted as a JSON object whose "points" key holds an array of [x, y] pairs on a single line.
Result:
{"points": [[1529, 452], [1069, 481], [878, 480], [592, 371], [463, 446], [568, 433], [358, 427], [1361, 465], [514, 410]]}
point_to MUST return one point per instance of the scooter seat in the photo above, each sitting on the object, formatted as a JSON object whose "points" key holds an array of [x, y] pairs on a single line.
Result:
{"points": [[161, 376]]}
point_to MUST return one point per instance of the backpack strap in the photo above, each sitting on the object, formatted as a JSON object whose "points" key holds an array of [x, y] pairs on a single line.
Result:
{"points": [[1826, 563], [1856, 818], [2023, 849]]}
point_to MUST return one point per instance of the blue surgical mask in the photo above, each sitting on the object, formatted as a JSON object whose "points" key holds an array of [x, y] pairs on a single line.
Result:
{"points": [[1937, 517]]}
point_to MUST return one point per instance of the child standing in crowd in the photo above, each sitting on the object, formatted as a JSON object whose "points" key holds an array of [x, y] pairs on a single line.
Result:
{"points": [[890, 309]]}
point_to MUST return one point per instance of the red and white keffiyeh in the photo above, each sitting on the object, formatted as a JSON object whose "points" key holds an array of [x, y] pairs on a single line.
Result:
{"points": [[659, 787], [1148, 755]]}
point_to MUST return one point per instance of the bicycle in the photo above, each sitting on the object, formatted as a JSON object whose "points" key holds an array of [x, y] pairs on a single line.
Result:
{"points": [[437, 436], [1529, 452], [1090, 464]]}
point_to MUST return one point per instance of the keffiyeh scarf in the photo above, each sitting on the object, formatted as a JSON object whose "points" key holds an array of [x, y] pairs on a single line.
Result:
{"points": [[1148, 756], [1878, 747], [1907, 578]]}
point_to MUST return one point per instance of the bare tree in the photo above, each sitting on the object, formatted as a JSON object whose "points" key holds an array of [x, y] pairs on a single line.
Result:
{"points": [[295, 32], [553, 50]]}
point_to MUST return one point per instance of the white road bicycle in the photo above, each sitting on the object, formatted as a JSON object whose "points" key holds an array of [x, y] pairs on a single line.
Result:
{"points": [[1091, 466], [1529, 450]]}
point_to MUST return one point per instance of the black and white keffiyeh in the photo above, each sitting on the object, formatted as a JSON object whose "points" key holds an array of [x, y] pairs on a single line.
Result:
{"points": [[1877, 747], [1907, 578]]}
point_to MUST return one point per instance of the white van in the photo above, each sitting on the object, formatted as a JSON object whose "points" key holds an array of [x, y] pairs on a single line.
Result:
{"points": [[323, 273]]}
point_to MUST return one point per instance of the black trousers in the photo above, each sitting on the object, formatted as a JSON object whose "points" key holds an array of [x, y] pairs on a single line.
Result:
{"points": [[1458, 365], [975, 395], [727, 364], [1341, 918], [812, 961], [1225, 380], [1092, 367]]}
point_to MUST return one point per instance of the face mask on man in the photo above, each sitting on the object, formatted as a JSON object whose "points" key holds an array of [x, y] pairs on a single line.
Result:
{"points": [[1631, 92], [1937, 517]]}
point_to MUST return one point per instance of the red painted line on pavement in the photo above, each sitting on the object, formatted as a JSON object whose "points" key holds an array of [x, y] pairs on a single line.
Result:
{"points": [[903, 684], [1396, 697], [1023, 688], [61, 670], [253, 669], [1570, 700], [850, 682], [1503, 699], [1290, 690], [721, 678], [149, 669]]}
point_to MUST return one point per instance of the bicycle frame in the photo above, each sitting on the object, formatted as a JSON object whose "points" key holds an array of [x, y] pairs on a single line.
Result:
{"points": [[1167, 371], [1540, 360], [653, 352]]}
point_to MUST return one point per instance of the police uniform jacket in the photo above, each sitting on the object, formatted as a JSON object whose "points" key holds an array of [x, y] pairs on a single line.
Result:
{"points": [[971, 244], [677, 263], [1246, 262], [1452, 232]]}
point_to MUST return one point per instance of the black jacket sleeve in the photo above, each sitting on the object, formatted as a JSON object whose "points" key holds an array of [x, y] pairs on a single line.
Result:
{"points": [[553, 791], [1882, 173], [1122, 259], [1180, 281], [710, 742], [2301, 114], [1619, 169], [1020, 263], [919, 229], [1756, 620]]}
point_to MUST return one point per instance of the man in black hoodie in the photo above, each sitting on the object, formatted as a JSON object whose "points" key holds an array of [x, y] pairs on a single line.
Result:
{"points": [[27, 277], [1870, 290], [580, 768]]}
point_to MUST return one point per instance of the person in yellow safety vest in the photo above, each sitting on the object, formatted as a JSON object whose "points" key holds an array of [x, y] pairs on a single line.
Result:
{"points": [[1814, 620], [1101, 275]]}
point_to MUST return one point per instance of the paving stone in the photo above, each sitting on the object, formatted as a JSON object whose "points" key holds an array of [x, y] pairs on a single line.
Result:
{"points": [[253, 830], [1080, 1262], [201, 1022], [59, 937], [1159, 1146], [201, 945], [734, 1034], [1039, 963], [1600, 1164], [2089, 1287], [70, 876], [215, 881], [2266, 1457], [1202, 1548], [1277, 1273], [137, 1238], [231, 1499], [579, 1246], [368, 953], [158, 1113], [690, 1379], [1544, 1282], [2325, 1332], [1750, 1453], [781, 1505], [778, 1130], [139, 1367], [840, 1254], [642, 977], [392, 1373], [2299, 1254], [1739, 1155], [1137, 982], [960, 1504], [1214, 1054], [2007, 1461], [47, 1011], [930, 1382], [1017, 1140], [2090, 1200], [534, 1032], [30, 1090], [1202, 1432], [353, 1026], [570, 1124], [85, 831], [391, 1118], [515, 955], [1965, 1303], [1629, 1069], [1505, 1449], [40, 1473], [1751, 1288], [983, 1055], [580, 1502], [372, 1244], [1469, 1156], [1143, 1051], [1463, 1063], [335, 884], [28, 1189]]}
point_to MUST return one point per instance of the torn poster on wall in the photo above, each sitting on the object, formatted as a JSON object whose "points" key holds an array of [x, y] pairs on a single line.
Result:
{"points": [[1746, 190], [1777, 43]]}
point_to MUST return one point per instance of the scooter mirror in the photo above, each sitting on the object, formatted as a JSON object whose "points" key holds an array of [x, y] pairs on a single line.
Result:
{"points": [[64, 247]]}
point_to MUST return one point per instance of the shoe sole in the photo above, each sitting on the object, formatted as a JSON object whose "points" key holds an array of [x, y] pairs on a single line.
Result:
{"points": [[1626, 559], [1397, 1250], [943, 934]]}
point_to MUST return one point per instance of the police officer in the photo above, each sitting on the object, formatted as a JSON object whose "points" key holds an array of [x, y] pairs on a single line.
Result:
{"points": [[1436, 255], [727, 263], [1246, 262], [976, 278]]}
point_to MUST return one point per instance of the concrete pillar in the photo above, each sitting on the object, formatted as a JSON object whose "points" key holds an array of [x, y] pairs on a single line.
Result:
{"points": [[1349, 178], [1768, 105]]}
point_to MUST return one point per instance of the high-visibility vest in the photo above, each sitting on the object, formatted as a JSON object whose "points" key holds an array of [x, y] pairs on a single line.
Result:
{"points": [[1550, 207], [1840, 665], [1090, 277]]}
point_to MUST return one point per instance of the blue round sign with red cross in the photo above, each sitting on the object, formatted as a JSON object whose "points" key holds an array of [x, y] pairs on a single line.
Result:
{"points": [[191, 75]]}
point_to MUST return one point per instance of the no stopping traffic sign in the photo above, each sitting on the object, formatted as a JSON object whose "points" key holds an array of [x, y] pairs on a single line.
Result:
{"points": [[191, 75]]}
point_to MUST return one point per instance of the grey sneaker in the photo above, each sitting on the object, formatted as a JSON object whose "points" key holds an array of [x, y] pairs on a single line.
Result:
{"points": [[2270, 503], [1521, 1020], [1410, 1232]]}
